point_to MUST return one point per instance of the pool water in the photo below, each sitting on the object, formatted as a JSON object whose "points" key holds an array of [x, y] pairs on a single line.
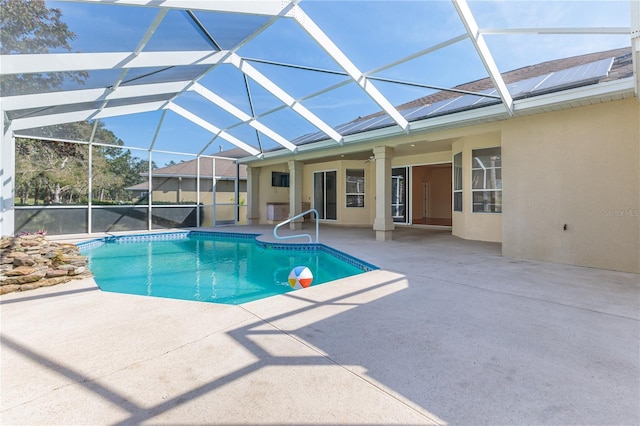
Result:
{"points": [[211, 268]]}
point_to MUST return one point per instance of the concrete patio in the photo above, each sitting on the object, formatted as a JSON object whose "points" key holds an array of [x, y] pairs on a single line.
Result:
{"points": [[446, 332]]}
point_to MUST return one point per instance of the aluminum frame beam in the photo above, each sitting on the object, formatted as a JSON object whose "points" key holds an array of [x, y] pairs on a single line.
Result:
{"points": [[66, 62], [43, 100], [283, 96], [212, 128], [467, 18], [316, 33], [241, 115], [70, 117], [253, 7]]}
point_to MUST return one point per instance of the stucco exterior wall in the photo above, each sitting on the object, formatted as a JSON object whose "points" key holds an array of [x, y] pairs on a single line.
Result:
{"points": [[578, 167], [268, 193], [466, 224], [422, 159], [352, 216]]}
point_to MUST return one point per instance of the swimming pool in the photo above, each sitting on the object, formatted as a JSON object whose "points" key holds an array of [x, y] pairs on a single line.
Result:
{"points": [[216, 267]]}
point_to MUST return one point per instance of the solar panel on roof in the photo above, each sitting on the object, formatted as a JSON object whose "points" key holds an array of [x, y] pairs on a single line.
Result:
{"points": [[546, 82], [575, 75], [408, 113], [525, 86], [309, 137], [359, 126]]}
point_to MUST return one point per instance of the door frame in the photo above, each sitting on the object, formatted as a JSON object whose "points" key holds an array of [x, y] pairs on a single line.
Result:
{"points": [[313, 195]]}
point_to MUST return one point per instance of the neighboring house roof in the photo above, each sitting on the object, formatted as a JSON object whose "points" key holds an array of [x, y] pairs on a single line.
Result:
{"points": [[225, 170], [529, 81]]}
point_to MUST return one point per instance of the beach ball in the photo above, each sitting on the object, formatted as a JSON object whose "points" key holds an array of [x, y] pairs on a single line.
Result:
{"points": [[300, 277]]}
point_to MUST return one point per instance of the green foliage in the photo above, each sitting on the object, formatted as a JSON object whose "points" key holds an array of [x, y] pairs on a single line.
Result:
{"points": [[28, 26], [57, 172]]}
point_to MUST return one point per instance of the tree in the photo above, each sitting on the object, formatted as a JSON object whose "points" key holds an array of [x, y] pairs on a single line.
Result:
{"points": [[28, 26]]}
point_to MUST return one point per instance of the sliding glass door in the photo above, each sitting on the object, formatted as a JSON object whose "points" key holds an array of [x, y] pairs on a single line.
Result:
{"points": [[325, 194]]}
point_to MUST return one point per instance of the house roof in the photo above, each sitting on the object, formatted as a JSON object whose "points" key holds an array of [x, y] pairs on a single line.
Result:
{"points": [[225, 170], [558, 75], [621, 68]]}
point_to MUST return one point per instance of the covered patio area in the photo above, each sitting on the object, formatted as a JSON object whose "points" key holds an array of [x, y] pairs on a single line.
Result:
{"points": [[448, 331]]}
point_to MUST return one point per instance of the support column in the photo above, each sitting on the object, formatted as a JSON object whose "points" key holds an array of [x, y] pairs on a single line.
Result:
{"points": [[253, 201], [295, 193], [383, 224], [7, 177]]}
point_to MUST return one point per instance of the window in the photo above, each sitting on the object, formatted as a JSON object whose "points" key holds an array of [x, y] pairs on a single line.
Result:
{"points": [[355, 188], [486, 180], [280, 179], [399, 186], [457, 182]]}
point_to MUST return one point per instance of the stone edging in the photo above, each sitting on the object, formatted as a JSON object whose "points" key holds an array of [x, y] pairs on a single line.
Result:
{"points": [[32, 261]]}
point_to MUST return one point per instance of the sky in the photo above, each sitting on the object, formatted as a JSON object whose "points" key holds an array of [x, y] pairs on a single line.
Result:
{"points": [[371, 33]]}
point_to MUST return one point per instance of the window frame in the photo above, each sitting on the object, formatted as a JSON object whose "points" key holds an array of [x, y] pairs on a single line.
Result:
{"points": [[357, 195], [496, 193], [457, 183]]}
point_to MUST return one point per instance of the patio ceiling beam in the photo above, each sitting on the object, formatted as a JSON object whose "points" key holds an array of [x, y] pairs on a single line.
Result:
{"points": [[316, 33], [66, 62], [244, 117], [254, 7], [283, 96], [212, 128], [467, 18]]}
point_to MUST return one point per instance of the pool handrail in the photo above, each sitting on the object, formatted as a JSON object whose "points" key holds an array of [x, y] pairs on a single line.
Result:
{"points": [[298, 216]]}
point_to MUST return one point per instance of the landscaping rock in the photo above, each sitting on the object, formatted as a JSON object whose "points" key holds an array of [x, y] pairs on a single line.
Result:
{"points": [[52, 273], [32, 261]]}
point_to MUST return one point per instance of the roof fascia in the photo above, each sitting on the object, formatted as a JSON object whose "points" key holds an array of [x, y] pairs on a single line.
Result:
{"points": [[65, 62], [256, 7], [481, 47], [316, 33]]}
